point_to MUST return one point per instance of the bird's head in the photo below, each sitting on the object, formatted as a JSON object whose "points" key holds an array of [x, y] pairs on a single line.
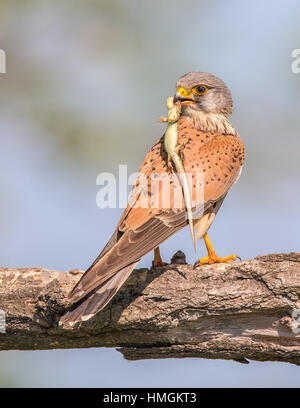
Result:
{"points": [[200, 91]]}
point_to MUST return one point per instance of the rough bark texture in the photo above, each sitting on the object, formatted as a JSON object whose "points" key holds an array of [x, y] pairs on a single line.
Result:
{"points": [[228, 311]]}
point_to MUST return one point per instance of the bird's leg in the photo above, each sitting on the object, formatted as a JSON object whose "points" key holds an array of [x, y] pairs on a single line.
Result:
{"points": [[212, 256], [157, 263]]}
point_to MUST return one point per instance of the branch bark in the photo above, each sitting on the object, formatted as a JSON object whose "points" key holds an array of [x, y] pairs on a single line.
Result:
{"points": [[228, 311]]}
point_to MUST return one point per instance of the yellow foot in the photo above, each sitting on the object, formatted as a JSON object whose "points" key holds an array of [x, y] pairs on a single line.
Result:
{"points": [[213, 258], [158, 263]]}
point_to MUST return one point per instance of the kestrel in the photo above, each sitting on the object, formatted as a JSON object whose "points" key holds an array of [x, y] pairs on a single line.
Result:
{"points": [[211, 148]]}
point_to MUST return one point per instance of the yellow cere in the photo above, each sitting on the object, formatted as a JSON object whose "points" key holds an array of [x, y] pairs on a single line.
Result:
{"points": [[183, 92]]}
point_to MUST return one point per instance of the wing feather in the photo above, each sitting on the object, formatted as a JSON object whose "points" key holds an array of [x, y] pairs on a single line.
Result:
{"points": [[140, 230]]}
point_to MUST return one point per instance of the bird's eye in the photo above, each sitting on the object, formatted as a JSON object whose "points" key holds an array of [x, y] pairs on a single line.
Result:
{"points": [[199, 90]]}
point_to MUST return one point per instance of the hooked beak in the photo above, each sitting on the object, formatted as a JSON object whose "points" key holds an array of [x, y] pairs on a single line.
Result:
{"points": [[183, 97]]}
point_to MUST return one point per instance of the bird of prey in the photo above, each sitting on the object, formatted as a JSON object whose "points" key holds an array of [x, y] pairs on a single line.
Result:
{"points": [[212, 148]]}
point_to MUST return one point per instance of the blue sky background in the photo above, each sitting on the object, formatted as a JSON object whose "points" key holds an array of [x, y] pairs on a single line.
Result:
{"points": [[85, 84]]}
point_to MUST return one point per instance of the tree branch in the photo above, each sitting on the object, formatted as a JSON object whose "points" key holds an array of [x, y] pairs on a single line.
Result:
{"points": [[228, 311]]}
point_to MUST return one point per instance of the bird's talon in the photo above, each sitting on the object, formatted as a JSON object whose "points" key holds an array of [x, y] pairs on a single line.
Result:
{"points": [[212, 259]]}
